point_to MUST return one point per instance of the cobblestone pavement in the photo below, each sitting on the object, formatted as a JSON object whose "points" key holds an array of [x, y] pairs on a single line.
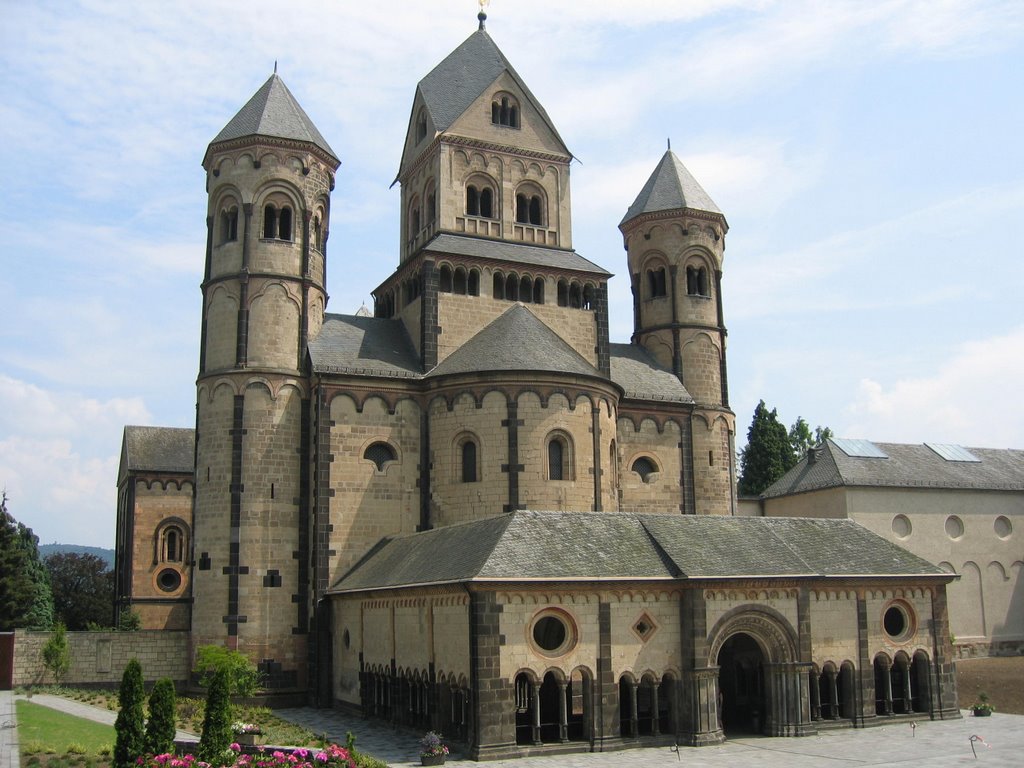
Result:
{"points": [[939, 744], [929, 745]]}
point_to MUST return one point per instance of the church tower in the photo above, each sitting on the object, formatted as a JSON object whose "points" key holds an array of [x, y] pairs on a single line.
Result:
{"points": [[269, 176], [674, 236]]}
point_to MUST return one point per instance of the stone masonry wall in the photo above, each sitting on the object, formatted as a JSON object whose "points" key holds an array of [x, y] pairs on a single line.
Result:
{"points": [[100, 657]]}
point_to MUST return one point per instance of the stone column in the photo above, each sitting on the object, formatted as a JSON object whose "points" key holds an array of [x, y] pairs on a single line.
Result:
{"points": [[815, 685], [563, 716], [833, 694], [634, 730], [888, 689], [535, 704], [655, 725]]}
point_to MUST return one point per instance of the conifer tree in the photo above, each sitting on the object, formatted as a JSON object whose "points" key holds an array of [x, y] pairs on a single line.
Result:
{"points": [[216, 738], [768, 454], [130, 744], [160, 728], [56, 653], [25, 596]]}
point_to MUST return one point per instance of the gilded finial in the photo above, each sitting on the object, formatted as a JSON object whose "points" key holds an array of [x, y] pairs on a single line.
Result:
{"points": [[482, 16]]}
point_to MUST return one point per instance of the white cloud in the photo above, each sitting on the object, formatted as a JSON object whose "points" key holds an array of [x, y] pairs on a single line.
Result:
{"points": [[58, 459], [972, 399]]}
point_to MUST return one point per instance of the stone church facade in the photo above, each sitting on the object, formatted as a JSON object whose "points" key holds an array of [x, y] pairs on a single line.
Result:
{"points": [[361, 483]]}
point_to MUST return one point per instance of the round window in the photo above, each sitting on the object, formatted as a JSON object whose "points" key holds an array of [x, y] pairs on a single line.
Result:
{"points": [[901, 526], [954, 527], [168, 580], [553, 633], [897, 621], [1003, 527]]}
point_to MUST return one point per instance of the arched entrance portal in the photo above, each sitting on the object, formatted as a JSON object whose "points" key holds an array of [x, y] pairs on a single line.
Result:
{"points": [[741, 685]]}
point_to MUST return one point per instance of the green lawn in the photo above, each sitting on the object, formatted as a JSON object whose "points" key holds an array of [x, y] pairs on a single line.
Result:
{"points": [[49, 729]]}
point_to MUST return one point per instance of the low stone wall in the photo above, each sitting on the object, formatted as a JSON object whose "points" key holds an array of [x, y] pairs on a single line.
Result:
{"points": [[99, 658], [984, 648]]}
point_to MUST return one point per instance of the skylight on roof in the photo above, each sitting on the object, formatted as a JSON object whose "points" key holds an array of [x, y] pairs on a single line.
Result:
{"points": [[953, 452], [859, 449]]}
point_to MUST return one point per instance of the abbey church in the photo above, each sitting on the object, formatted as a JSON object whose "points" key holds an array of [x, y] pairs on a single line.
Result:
{"points": [[469, 510]]}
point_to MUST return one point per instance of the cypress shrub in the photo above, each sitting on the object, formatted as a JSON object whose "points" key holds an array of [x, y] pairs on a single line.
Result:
{"points": [[160, 726], [215, 742], [130, 744]]}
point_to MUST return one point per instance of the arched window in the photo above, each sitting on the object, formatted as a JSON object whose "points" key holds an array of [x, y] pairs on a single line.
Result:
{"points": [[563, 293], [431, 206], [505, 111], [229, 225], [474, 282], [538, 291], [697, 281], [559, 457], [171, 543], [529, 209], [656, 283], [284, 224], [487, 203], [526, 289], [318, 234], [421, 126], [380, 454], [445, 279], [512, 287], [468, 457], [459, 286], [480, 201], [499, 285], [644, 467], [536, 216], [269, 221], [472, 201]]}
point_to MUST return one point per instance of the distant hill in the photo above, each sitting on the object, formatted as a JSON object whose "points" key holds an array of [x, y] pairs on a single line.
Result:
{"points": [[52, 549]]}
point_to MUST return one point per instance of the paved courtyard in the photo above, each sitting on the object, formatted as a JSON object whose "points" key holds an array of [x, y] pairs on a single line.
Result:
{"points": [[929, 745]]}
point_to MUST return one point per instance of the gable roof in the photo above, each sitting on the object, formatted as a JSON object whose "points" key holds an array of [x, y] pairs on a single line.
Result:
{"points": [[669, 188], [589, 546], [464, 74], [157, 449], [641, 378], [906, 466], [364, 346], [274, 112], [515, 341]]}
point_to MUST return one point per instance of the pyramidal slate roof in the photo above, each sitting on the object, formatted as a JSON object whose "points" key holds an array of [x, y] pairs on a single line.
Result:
{"points": [[364, 346], [515, 341], [669, 188], [590, 546], [641, 378], [274, 112], [454, 84], [157, 449], [906, 466]]}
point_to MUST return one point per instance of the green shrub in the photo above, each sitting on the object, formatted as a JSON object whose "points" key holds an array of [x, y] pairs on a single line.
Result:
{"points": [[216, 736], [130, 743], [57, 653], [76, 749], [160, 726], [244, 678]]}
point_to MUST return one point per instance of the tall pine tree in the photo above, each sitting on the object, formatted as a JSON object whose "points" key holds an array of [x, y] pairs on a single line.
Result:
{"points": [[768, 455], [25, 597]]}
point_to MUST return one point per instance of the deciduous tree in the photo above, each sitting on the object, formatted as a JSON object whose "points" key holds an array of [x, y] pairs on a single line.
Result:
{"points": [[83, 589], [57, 652]]}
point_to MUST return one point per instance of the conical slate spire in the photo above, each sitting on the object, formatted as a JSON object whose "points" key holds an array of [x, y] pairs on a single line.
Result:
{"points": [[669, 188], [274, 112]]}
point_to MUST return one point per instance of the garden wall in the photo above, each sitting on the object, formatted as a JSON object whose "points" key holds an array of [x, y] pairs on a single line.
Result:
{"points": [[99, 658]]}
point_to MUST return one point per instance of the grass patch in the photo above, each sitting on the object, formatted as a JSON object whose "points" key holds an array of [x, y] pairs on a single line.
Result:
{"points": [[51, 732]]}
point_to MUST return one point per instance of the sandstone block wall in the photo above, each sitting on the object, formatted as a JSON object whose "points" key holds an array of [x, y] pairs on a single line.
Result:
{"points": [[100, 657]]}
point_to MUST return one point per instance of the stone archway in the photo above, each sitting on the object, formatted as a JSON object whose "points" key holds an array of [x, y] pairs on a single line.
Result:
{"points": [[754, 650], [741, 689]]}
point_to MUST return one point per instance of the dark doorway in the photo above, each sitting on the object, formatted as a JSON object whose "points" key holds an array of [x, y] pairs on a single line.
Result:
{"points": [[549, 709], [741, 685]]}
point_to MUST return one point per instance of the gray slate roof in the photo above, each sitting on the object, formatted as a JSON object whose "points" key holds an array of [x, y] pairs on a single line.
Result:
{"points": [[158, 449], [502, 250], [641, 377], [364, 346], [515, 341], [459, 80], [669, 188], [274, 112], [583, 546], [908, 466]]}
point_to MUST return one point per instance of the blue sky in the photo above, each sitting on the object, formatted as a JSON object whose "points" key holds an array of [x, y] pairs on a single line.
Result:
{"points": [[868, 158]]}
